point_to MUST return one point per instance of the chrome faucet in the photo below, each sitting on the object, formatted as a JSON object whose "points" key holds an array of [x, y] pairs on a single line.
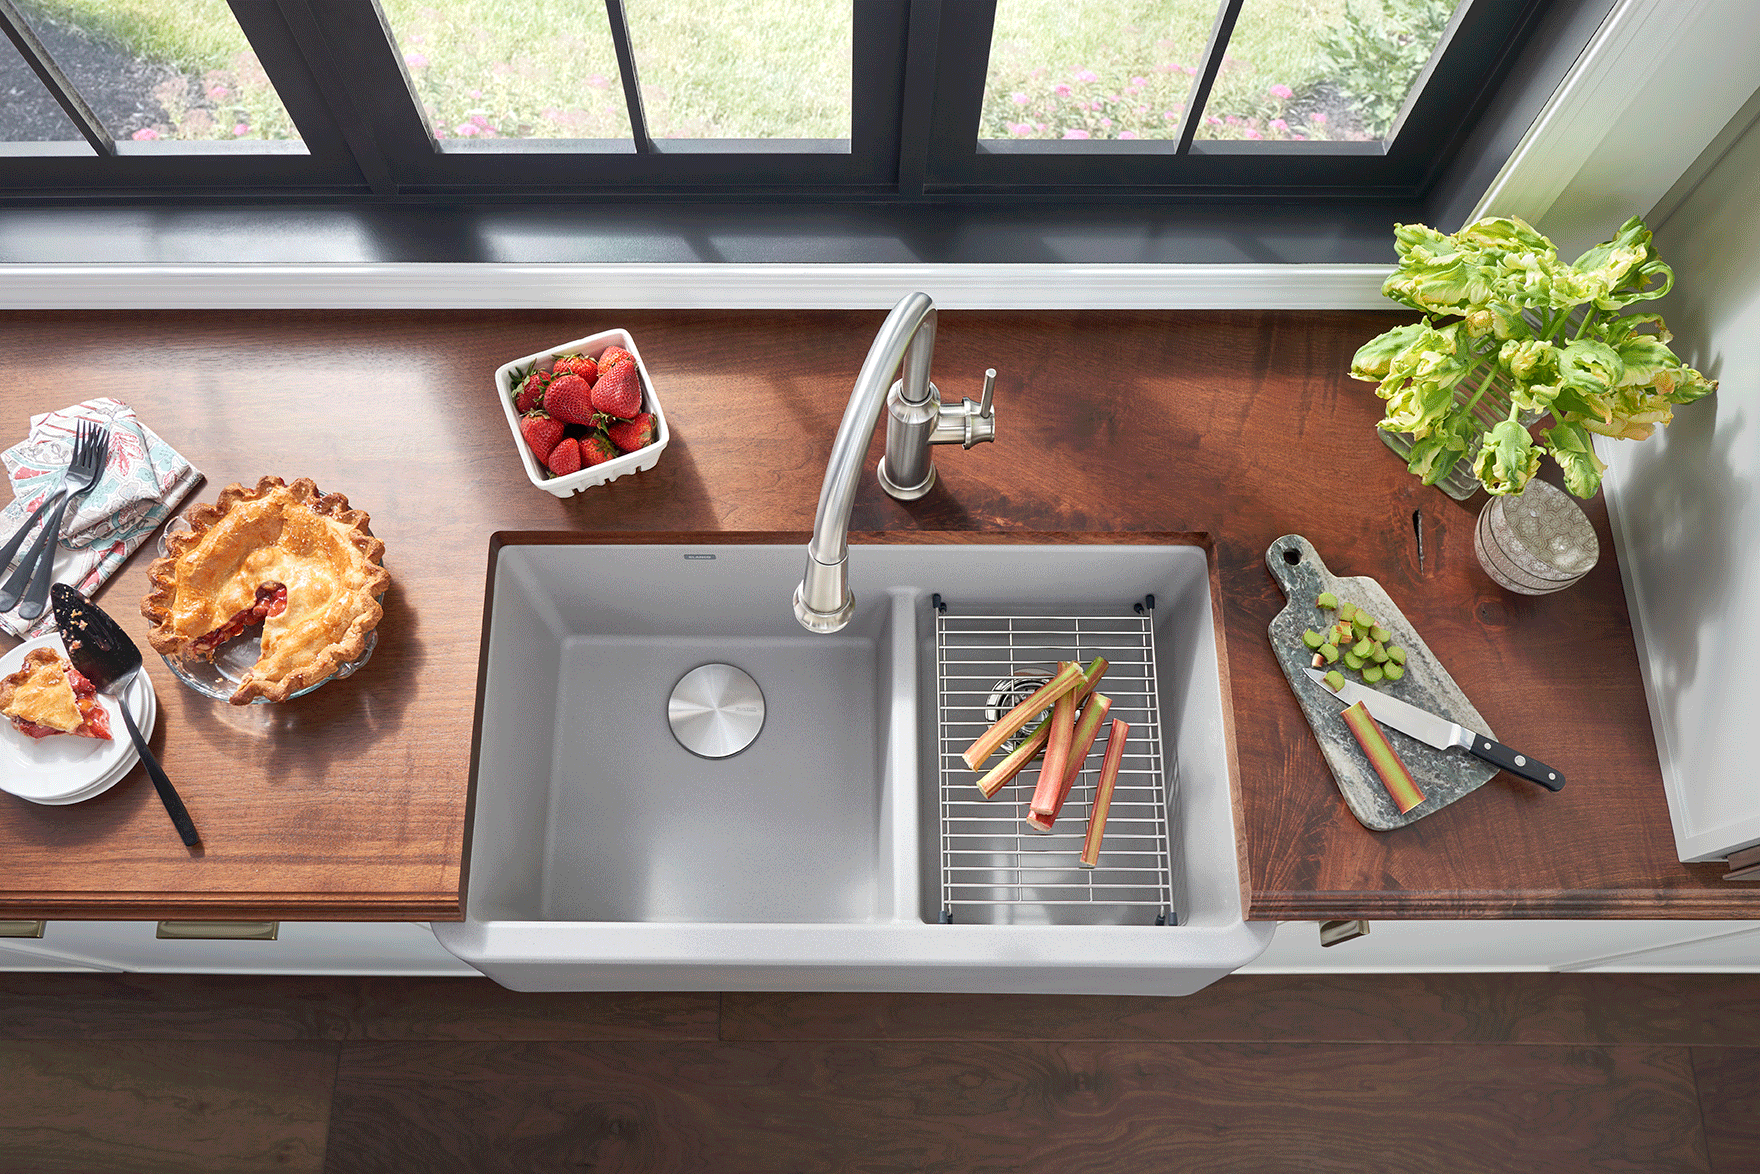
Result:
{"points": [[916, 419]]}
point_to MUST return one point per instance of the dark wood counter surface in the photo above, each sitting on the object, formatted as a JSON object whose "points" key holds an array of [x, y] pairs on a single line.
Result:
{"points": [[351, 802]]}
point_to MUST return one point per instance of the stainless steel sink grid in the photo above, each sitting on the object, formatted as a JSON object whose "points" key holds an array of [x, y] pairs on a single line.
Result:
{"points": [[995, 869]]}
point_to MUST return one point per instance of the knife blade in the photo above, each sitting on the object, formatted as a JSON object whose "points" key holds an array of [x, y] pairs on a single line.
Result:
{"points": [[1439, 732]]}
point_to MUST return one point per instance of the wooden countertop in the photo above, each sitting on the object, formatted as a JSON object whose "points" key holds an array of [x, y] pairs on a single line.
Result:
{"points": [[352, 803]]}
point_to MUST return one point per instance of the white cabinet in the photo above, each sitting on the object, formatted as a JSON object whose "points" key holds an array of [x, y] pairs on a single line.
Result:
{"points": [[1493, 946], [300, 947]]}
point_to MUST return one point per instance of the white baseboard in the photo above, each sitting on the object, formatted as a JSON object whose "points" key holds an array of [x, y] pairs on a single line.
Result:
{"points": [[698, 286]]}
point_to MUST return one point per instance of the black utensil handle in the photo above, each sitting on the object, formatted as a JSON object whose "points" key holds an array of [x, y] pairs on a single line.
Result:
{"points": [[167, 793], [17, 540], [39, 565], [1528, 768]]}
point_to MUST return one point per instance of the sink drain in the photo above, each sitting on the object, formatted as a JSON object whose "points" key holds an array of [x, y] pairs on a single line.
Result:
{"points": [[716, 710], [1004, 696]]}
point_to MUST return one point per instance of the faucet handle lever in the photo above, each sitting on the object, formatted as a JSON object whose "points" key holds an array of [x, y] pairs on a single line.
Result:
{"points": [[989, 393]]}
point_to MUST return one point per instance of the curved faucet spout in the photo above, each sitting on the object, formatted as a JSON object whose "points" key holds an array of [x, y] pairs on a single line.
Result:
{"points": [[823, 602]]}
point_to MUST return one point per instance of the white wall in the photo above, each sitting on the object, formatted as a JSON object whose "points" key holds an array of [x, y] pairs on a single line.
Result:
{"points": [[1687, 516]]}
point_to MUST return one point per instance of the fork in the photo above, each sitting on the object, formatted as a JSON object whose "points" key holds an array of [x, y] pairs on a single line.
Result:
{"points": [[91, 451], [48, 503]]}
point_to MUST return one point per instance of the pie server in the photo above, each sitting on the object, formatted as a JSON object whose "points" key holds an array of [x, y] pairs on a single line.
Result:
{"points": [[105, 656], [1439, 732]]}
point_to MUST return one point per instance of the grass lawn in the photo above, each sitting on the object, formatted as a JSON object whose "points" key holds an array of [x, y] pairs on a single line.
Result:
{"points": [[756, 69]]}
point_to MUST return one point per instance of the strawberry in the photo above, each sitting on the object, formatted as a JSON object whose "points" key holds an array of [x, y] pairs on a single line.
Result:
{"points": [[630, 435], [569, 399], [565, 458], [530, 394], [541, 432], [577, 365], [613, 355], [619, 391], [596, 450]]}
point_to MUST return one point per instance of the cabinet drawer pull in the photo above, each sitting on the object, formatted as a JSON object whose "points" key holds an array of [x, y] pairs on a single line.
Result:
{"points": [[230, 931], [21, 929], [1334, 932]]}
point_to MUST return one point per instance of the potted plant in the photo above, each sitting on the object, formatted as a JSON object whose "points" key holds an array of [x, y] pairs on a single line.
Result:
{"points": [[1513, 338]]}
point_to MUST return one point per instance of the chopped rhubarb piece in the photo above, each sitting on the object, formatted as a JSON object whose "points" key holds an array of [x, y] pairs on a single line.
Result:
{"points": [[1041, 822], [1000, 774], [1056, 764], [1087, 729], [1394, 775], [1068, 678], [1115, 739]]}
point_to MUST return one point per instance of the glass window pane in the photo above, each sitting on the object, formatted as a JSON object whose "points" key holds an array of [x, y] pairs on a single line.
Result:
{"points": [[743, 69], [1322, 69], [28, 114], [1097, 69], [512, 69], [176, 70]]}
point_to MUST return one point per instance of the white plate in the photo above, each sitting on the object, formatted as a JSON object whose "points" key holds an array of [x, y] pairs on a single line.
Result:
{"points": [[64, 769]]}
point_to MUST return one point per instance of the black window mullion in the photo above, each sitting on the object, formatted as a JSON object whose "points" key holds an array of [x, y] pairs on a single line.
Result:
{"points": [[626, 70], [916, 119], [60, 88], [1219, 35], [294, 72]]}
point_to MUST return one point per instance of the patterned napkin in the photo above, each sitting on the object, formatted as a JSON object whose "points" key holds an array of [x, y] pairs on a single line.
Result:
{"points": [[142, 484]]}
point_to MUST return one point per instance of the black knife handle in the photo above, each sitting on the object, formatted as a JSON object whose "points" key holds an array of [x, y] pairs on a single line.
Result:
{"points": [[167, 793], [1531, 769]]}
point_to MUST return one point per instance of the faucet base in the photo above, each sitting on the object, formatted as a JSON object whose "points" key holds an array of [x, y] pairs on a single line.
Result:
{"points": [[821, 621], [902, 492]]}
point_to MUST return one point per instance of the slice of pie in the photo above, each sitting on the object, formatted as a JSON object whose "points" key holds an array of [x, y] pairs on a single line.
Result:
{"points": [[302, 564], [48, 696]]}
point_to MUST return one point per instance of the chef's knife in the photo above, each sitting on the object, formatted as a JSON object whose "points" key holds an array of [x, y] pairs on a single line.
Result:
{"points": [[1439, 732]]}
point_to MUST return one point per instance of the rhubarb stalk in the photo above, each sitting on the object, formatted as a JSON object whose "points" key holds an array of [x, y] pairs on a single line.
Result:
{"points": [[1070, 677], [1394, 775], [1017, 759], [1052, 770], [1115, 739], [1087, 729]]}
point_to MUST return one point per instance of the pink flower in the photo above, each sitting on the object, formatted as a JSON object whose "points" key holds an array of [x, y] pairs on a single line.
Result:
{"points": [[1253, 134], [481, 122], [598, 81], [1018, 128], [1213, 120], [1087, 75], [1279, 125], [1106, 123], [1170, 115], [1189, 70], [239, 131], [1072, 133], [217, 92], [1317, 119], [1061, 90], [465, 130], [1299, 138], [416, 60], [1127, 134], [476, 93], [145, 134], [1019, 99], [1282, 91], [1039, 126], [1138, 83]]}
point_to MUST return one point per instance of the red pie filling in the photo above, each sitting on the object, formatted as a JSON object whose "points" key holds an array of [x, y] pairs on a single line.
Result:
{"points": [[85, 695], [271, 601]]}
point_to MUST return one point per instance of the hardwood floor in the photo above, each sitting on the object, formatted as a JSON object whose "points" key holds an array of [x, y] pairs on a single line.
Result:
{"points": [[1462, 1073]]}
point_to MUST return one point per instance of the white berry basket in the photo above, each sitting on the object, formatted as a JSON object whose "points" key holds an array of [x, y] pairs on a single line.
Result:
{"points": [[509, 374]]}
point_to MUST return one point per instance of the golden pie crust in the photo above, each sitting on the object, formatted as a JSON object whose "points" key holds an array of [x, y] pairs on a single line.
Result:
{"points": [[41, 694], [274, 534]]}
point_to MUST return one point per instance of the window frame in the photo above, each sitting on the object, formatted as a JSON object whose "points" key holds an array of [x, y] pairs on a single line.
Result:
{"points": [[919, 73]]}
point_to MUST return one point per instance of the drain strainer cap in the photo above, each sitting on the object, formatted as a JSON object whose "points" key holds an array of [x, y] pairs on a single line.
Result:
{"points": [[716, 710]]}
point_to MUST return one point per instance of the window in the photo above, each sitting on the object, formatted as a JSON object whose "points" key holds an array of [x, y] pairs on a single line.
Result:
{"points": [[872, 100]]}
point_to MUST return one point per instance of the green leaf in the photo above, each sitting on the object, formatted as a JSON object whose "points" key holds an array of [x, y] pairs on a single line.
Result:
{"points": [[1570, 446], [1375, 357]]}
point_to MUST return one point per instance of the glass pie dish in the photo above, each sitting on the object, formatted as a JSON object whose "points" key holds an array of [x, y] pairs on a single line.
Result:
{"points": [[220, 677]]}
